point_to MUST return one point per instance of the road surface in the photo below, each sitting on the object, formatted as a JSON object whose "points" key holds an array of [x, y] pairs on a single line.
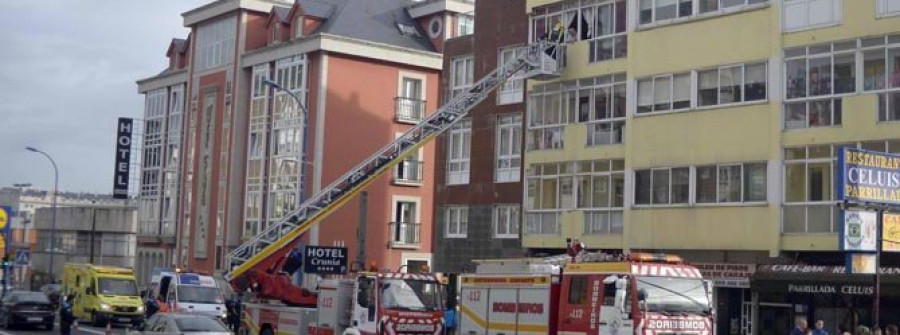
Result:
{"points": [[83, 330]]}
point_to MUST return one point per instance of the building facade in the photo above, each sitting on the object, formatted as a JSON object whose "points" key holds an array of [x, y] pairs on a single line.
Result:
{"points": [[364, 71], [161, 155], [95, 234], [709, 129], [478, 170]]}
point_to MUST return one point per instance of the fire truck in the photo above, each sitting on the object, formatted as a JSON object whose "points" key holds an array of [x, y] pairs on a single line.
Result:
{"points": [[362, 303], [593, 293]]}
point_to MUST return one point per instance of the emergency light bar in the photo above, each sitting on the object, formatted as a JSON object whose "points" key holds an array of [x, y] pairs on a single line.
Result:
{"points": [[654, 258]]}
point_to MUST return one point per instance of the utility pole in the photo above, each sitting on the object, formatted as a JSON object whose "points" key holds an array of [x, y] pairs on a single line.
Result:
{"points": [[361, 231]]}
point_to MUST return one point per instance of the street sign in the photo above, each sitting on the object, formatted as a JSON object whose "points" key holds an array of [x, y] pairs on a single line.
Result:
{"points": [[324, 260], [22, 257]]}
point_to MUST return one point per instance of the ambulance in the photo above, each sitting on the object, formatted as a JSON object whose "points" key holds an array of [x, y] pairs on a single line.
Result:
{"points": [[190, 292], [593, 293]]}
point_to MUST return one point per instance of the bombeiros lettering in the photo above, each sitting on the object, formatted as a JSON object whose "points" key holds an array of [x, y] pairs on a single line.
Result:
{"points": [[415, 327], [678, 324]]}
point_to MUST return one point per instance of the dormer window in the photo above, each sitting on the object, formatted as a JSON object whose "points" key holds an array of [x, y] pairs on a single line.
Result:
{"points": [[408, 30], [298, 27], [275, 32]]}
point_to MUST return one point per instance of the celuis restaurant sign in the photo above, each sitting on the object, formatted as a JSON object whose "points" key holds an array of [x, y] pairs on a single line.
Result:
{"points": [[869, 176]]}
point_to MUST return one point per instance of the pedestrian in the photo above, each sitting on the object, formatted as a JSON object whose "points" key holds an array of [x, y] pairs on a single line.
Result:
{"points": [[862, 330], [236, 315], [800, 326], [820, 328], [892, 330], [65, 316], [876, 330]]}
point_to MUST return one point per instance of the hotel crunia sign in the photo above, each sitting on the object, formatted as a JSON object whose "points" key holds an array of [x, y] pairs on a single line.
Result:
{"points": [[868, 176]]}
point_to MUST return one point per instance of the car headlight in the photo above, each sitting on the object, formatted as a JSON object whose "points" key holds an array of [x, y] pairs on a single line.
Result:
{"points": [[104, 307], [140, 309]]}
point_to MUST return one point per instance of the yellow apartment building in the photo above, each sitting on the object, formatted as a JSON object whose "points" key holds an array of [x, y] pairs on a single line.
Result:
{"points": [[709, 129]]}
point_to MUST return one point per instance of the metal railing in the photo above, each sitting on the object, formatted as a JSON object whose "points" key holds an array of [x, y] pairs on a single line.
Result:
{"points": [[409, 171], [409, 109], [405, 233]]}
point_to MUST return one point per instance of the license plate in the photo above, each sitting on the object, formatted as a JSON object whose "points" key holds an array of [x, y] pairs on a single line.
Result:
{"points": [[35, 319], [124, 320]]}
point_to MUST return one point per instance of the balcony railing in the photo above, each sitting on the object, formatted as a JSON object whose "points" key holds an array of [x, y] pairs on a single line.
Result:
{"points": [[409, 172], [405, 234], [409, 109]]}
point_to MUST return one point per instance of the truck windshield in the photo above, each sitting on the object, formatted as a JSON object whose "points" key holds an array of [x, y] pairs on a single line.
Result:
{"points": [[408, 294], [674, 295], [199, 294], [114, 286]]}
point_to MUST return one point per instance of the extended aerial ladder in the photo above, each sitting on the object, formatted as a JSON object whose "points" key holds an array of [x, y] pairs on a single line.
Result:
{"points": [[266, 251]]}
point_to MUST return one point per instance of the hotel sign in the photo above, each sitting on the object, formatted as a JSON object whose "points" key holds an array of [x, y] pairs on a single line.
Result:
{"points": [[868, 176]]}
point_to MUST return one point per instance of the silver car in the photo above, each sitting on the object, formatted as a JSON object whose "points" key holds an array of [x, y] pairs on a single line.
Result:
{"points": [[183, 324]]}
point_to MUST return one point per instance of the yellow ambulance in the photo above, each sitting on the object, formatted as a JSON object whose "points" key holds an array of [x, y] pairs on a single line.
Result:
{"points": [[103, 294]]}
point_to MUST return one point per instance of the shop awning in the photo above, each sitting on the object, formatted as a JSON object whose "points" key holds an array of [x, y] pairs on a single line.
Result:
{"points": [[818, 279]]}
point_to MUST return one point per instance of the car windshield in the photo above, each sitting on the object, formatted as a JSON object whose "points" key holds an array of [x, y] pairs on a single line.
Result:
{"points": [[31, 297], [408, 294], [199, 324], [114, 286], [199, 294], [674, 295]]}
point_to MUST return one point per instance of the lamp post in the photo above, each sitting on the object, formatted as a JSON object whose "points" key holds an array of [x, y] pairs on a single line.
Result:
{"points": [[53, 224]]}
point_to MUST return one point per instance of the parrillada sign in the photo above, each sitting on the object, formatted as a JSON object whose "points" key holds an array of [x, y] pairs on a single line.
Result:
{"points": [[868, 176]]}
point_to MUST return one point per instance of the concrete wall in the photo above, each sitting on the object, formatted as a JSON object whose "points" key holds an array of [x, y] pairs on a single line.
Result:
{"points": [[121, 220]]}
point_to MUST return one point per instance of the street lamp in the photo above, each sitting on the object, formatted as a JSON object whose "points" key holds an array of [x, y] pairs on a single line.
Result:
{"points": [[53, 224], [314, 234], [305, 112]]}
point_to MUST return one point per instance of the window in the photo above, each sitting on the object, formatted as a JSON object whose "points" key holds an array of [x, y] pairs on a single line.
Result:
{"points": [[731, 84], [506, 221], [509, 148], [465, 25], [513, 89], [664, 93], [462, 74], [887, 7], [600, 190], [405, 226], [410, 101], [599, 101], [881, 62], [664, 11], [456, 221], [603, 23], [889, 106], [820, 70], [408, 30], [410, 170], [810, 14], [661, 186], [298, 27], [578, 290], [808, 190], [594, 186], [215, 43], [276, 33], [459, 142], [733, 183]]}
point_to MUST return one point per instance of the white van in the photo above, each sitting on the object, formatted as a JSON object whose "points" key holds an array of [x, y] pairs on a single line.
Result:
{"points": [[192, 293]]}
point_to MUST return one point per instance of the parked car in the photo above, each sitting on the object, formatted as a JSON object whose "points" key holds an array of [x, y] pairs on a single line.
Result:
{"points": [[26, 308], [52, 291], [183, 324]]}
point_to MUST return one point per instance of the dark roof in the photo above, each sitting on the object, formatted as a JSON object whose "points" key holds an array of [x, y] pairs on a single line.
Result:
{"points": [[180, 45], [316, 8], [282, 13], [371, 20]]}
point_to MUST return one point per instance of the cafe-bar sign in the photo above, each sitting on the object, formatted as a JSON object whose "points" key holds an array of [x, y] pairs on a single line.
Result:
{"points": [[868, 176]]}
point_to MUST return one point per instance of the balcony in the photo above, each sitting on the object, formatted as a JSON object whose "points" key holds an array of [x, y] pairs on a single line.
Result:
{"points": [[409, 110], [405, 235], [409, 172]]}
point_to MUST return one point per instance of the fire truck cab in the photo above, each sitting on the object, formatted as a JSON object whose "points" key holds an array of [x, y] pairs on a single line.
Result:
{"points": [[381, 303], [598, 294]]}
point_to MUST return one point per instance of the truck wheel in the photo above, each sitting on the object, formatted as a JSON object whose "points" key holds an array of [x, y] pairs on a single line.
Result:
{"points": [[267, 330], [95, 319]]}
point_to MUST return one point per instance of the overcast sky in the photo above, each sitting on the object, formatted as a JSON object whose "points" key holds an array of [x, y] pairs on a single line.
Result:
{"points": [[67, 71]]}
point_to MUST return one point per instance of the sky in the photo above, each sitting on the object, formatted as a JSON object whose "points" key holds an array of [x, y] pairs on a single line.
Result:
{"points": [[67, 72]]}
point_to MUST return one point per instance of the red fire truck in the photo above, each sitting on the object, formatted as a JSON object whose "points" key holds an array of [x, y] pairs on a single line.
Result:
{"points": [[642, 294]]}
